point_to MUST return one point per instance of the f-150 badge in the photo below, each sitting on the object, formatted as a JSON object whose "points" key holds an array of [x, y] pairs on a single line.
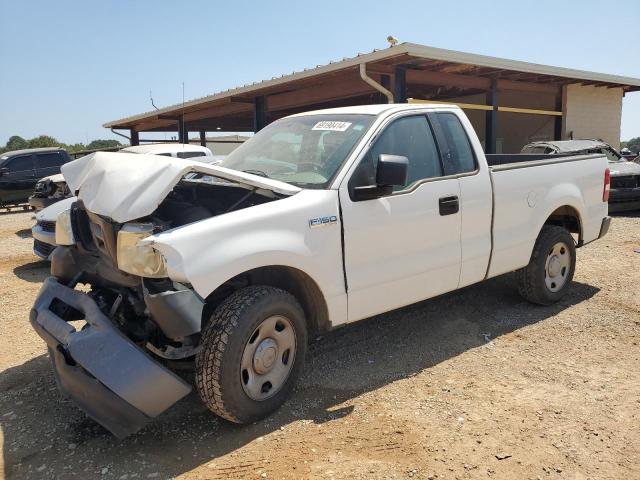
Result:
{"points": [[323, 221]]}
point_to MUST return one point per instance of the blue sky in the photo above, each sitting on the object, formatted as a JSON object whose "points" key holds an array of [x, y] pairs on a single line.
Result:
{"points": [[70, 66]]}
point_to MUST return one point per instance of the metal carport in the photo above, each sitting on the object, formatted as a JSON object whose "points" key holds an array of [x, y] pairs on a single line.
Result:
{"points": [[488, 88]]}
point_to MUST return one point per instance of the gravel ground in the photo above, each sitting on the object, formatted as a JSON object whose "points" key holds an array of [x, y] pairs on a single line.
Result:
{"points": [[474, 384]]}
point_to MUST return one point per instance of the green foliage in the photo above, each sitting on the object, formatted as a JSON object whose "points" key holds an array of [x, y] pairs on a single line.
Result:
{"points": [[44, 141], [103, 144], [18, 143], [633, 144]]}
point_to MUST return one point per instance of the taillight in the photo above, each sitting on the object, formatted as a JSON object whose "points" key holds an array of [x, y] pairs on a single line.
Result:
{"points": [[607, 185]]}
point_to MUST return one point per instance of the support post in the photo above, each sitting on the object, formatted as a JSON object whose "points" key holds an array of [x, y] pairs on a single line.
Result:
{"points": [[259, 114], [135, 137], [203, 138], [491, 118], [557, 121], [400, 84], [183, 133]]}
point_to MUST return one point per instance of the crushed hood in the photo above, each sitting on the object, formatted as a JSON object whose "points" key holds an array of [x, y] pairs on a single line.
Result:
{"points": [[127, 186], [623, 168], [57, 178]]}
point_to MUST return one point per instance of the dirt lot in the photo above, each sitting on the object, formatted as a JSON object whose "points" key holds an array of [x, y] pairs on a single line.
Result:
{"points": [[475, 384]]}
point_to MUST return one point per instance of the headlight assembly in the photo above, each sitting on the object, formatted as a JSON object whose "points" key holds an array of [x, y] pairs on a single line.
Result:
{"points": [[140, 260], [64, 232]]}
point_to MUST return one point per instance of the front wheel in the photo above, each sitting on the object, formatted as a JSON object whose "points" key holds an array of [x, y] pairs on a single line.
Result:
{"points": [[550, 271], [252, 352]]}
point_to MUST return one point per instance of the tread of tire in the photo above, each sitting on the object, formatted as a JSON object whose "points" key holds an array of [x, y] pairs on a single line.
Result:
{"points": [[214, 341], [526, 277]]}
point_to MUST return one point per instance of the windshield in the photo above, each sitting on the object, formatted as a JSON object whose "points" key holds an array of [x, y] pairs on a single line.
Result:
{"points": [[305, 151]]}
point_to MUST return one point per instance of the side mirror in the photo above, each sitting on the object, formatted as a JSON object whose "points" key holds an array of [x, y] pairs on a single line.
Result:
{"points": [[4, 171], [391, 172]]}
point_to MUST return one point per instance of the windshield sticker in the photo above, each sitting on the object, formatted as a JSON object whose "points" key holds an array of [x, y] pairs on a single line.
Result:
{"points": [[332, 126]]}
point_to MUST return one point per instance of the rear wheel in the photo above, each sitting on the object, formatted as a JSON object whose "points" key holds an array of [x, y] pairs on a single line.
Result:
{"points": [[550, 271], [252, 352]]}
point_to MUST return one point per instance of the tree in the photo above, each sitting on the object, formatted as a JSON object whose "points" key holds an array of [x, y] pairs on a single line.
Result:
{"points": [[96, 144], [16, 143], [44, 141], [76, 147], [633, 144]]}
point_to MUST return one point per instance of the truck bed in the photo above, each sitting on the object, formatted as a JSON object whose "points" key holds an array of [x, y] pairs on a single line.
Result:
{"points": [[524, 186], [496, 159]]}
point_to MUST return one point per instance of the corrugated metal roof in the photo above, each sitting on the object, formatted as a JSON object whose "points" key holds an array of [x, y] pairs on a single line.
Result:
{"points": [[407, 49]]}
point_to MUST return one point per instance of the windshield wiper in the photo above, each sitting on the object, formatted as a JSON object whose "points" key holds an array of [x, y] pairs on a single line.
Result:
{"points": [[257, 172]]}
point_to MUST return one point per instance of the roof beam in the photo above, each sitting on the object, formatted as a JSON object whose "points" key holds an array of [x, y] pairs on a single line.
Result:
{"points": [[504, 84], [218, 111], [349, 87], [426, 77], [153, 124], [242, 100], [456, 68]]}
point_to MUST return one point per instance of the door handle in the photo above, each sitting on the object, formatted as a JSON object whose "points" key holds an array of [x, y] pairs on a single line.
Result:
{"points": [[449, 205]]}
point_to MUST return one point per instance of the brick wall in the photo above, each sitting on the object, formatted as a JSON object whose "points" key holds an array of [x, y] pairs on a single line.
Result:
{"points": [[592, 112]]}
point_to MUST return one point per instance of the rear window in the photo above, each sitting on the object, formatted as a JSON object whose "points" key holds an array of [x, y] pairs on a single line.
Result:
{"points": [[190, 154], [461, 153], [49, 160]]}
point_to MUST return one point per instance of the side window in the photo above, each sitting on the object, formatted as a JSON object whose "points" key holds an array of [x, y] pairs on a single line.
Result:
{"points": [[190, 154], [460, 157], [49, 160], [409, 137], [20, 164]]}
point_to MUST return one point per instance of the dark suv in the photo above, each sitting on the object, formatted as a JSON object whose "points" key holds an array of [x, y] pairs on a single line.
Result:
{"points": [[21, 169]]}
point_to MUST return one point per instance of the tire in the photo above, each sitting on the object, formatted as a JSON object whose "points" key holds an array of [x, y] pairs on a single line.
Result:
{"points": [[250, 329], [550, 271]]}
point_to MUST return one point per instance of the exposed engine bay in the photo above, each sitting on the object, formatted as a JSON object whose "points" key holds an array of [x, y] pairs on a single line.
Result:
{"points": [[195, 199], [158, 314]]}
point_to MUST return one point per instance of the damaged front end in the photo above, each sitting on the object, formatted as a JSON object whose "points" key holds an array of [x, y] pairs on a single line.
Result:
{"points": [[111, 317], [99, 368]]}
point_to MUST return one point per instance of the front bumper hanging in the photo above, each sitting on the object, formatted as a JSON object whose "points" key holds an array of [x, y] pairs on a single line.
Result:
{"points": [[102, 371]]}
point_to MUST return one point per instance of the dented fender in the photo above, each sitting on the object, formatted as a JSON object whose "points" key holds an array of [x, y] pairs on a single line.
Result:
{"points": [[288, 232]]}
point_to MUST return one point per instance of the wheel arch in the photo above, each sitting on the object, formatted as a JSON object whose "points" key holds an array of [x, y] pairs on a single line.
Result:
{"points": [[567, 216], [298, 283]]}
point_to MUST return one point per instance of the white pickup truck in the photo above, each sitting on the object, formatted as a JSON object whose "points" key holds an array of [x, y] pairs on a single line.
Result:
{"points": [[321, 219]]}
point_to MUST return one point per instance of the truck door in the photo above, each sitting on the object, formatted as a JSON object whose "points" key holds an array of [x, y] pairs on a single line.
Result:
{"points": [[459, 158], [405, 247], [17, 179]]}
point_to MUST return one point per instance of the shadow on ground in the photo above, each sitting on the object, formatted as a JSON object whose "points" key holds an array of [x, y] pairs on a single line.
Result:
{"points": [[24, 233], [42, 431], [33, 271], [630, 214]]}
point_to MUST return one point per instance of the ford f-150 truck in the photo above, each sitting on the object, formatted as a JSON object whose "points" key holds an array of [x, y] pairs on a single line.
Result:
{"points": [[320, 219]]}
